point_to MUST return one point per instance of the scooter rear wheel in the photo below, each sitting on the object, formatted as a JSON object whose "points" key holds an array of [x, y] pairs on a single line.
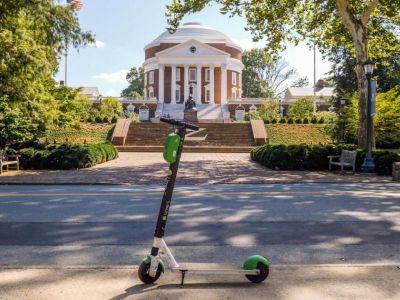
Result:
{"points": [[264, 271], [144, 276]]}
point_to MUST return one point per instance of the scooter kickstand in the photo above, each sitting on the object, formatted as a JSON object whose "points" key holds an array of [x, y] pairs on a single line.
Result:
{"points": [[183, 272]]}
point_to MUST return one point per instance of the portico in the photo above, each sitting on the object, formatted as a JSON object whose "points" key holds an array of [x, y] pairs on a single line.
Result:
{"points": [[197, 62]]}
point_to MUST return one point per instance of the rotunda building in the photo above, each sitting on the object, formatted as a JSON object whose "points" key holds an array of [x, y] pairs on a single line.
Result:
{"points": [[196, 61]]}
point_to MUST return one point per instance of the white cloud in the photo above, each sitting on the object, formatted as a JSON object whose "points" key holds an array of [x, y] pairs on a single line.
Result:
{"points": [[99, 44], [248, 43], [118, 76], [111, 93]]}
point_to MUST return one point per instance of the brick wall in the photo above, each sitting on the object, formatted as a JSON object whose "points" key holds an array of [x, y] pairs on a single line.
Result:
{"points": [[167, 84]]}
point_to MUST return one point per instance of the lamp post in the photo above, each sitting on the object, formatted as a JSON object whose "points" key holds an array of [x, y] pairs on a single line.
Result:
{"points": [[368, 164], [75, 5], [342, 104]]}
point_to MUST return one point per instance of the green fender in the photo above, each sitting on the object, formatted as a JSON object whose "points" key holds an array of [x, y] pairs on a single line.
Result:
{"points": [[147, 260], [251, 262]]}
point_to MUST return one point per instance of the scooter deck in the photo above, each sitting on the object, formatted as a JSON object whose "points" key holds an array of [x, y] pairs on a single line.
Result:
{"points": [[209, 270]]}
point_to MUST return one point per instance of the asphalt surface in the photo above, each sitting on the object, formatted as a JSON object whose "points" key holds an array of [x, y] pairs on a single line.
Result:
{"points": [[325, 241], [113, 225]]}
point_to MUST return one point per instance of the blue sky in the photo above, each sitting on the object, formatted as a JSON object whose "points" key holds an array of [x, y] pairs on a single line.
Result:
{"points": [[123, 28]]}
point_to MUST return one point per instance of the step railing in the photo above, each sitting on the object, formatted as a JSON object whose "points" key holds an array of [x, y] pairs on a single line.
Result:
{"points": [[120, 131]]}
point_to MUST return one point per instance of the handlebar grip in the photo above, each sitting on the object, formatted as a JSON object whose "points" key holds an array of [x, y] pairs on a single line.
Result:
{"points": [[192, 126], [179, 123]]}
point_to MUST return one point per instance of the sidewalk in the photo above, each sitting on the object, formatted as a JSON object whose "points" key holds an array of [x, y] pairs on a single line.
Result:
{"points": [[284, 282], [195, 168]]}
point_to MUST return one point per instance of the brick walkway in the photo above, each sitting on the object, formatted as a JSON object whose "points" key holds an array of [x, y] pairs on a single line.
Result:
{"points": [[195, 168]]}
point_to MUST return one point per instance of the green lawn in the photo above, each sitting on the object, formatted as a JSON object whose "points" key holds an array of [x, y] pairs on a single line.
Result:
{"points": [[91, 132], [290, 134]]}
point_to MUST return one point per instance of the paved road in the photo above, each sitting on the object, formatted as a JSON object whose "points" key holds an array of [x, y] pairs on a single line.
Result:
{"points": [[113, 225]]}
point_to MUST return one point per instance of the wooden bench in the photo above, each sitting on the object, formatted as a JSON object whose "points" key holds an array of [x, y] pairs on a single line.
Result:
{"points": [[6, 162], [346, 159]]}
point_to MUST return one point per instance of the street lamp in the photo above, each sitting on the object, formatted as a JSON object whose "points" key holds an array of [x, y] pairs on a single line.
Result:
{"points": [[341, 113], [368, 164]]}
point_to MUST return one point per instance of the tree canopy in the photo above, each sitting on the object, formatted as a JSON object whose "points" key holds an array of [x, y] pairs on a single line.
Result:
{"points": [[33, 35], [264, 76], [135, 78], [367, 28]]}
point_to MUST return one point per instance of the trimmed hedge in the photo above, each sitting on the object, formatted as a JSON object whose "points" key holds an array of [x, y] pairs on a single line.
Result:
{"points": [[65, 156], [307, 157]]}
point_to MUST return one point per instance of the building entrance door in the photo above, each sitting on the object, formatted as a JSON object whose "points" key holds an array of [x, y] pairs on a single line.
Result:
{"points": [[193, 91]]}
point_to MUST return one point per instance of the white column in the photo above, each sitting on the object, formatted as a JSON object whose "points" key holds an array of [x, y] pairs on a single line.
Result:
{"points": [[198, 77], [173, 84], [224, 74], [186, 83], [161, 83], [212, 84]]}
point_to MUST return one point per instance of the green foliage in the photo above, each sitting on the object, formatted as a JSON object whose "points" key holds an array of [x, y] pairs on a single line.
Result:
{"points": [[363, 28], [297, 134], [301, 108], [73, 107], [269, 109], [110, 108], [15, 125], [306, 157], [89, 133], [135, 77], [387, 120], [66, 156], [33, 36]]}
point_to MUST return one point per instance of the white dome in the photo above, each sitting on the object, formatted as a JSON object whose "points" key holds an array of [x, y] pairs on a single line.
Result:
{"points": [[194, 30]]}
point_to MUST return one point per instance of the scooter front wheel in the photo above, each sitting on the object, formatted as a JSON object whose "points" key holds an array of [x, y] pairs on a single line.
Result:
{"points": [[144, 276], [264, 271]]}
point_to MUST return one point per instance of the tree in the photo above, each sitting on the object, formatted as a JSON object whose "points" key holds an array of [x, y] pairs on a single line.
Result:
{"points": [[135, 77], [33, 36], [301, 108], [365, 28], [386, 72], [264, 76], [110, 108], [15, 126], [301, 82], [387, 121]]}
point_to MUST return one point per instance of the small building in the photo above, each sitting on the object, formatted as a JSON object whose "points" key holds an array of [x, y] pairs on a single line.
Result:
{"points": [[323, 95], [91, 92]]}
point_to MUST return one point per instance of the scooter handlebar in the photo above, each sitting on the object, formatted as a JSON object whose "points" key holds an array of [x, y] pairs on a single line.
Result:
{"points": [[180, 123]]}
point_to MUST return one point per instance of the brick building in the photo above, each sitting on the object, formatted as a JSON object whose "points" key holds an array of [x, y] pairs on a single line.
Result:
{"points": [[195, 61]]}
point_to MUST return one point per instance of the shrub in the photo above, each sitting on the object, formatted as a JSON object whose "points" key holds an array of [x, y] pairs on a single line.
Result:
{"points": [[98, 119], [301, 108], [274, 121], [298, 121], [114, 119], [266, 121], [321, 120], [67, 156], [290, 121], [314, 120], [305, 121], [282, 121], [305, 157], [384, 161]]}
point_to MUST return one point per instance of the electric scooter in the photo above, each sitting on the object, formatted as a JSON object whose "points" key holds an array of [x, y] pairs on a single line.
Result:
{"points": [[160, 259]]}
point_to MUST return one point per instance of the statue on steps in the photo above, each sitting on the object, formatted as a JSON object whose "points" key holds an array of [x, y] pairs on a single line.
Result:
{"points": [[190, 103]]}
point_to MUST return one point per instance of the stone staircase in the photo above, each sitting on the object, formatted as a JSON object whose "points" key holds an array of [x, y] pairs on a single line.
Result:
{"points": [[205, 112], [219, 137]]}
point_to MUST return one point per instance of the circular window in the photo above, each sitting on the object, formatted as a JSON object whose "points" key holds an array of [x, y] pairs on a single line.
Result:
{"points": [[193, 49]]}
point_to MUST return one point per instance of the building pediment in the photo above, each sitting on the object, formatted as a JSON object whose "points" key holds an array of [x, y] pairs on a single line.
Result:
{"points": [[192, 48]]}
